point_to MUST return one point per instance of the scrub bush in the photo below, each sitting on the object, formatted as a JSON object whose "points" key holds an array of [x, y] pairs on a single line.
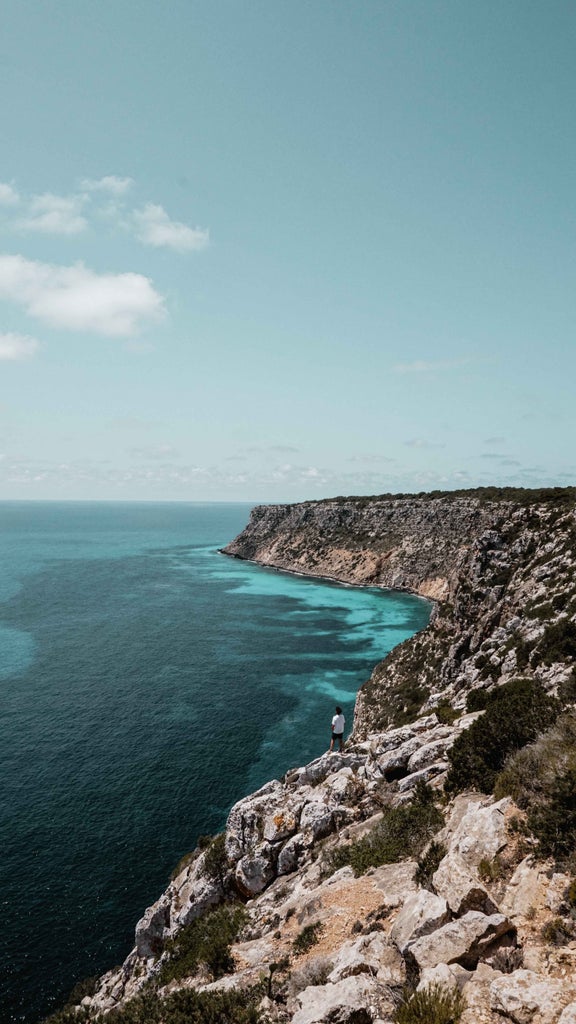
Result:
{"points": [[515, 714], [402, 833], [308, 937], [205, 941], [436, 1004]]}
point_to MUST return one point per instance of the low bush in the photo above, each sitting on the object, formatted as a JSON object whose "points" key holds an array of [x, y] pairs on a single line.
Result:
{"points": [[205, 941], [315, 972], [557, 644], [216, 860], [436, 1004], [429, 863], [557, 932], [402, 832], [553, 822], [445, 713], [490, 870], [515, 714], [190, 1007], [308, 937]]}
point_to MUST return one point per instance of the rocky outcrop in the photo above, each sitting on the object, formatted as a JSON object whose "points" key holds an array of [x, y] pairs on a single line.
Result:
{"points": [[503, 574]]}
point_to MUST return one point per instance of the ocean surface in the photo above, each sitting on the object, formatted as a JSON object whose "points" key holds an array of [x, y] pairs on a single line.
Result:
{"points": [[147, 682]]}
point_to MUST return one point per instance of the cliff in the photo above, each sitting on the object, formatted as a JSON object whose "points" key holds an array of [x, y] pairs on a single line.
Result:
{"points": [[359, 883]]}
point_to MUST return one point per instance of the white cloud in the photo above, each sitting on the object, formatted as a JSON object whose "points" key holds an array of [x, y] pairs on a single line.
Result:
{"points": [[154, 227], [14, 347], [77, 298], [8, 195], [55, 215], [109, 183], [420, 442]]}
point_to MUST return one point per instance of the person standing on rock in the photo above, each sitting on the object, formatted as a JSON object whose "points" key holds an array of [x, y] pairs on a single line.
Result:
{"points": [[338, 723]]}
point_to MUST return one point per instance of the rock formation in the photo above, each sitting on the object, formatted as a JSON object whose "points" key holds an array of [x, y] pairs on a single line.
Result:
{"points": [[471, 909]]}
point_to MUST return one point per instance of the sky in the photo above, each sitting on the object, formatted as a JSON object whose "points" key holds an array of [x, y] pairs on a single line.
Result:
{"points": [[275, 250]]}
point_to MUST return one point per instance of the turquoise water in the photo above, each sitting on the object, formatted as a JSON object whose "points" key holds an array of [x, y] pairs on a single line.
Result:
{"points": [[146, 683]]}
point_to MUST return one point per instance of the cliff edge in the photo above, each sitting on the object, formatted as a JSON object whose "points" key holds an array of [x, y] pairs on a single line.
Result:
{"points": [[428, 873]]}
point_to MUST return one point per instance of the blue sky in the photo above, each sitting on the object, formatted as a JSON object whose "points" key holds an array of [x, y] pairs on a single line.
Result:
{"points": [[284, 249]]}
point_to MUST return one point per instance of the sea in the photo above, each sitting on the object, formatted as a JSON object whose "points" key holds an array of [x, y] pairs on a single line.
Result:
{"points": [[147, 682]]}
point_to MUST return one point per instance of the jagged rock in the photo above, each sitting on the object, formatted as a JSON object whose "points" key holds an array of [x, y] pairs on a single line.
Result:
{"points": [[523, 995], [255, 870], [462, 890], [556, 894], [317, 819], [396, 881], [463, 941], [152, 928], [451, 976], [526, 891], [481, 834], [422, 913], [279, 825], [355, 1000], [360, 957], [424, 775], [290, 854], [244, 828], [429, 753]]}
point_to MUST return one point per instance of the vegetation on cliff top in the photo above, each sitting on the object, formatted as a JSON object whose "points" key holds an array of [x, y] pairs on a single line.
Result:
{"points": [[555, 496]]}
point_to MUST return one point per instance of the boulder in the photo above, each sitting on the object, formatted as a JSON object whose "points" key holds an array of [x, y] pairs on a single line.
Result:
{"points": [[482, 832], [244, 828], [317, 819], [355, 1000], [254, 871], [280, 825], [462, 890], [422, 913], [464, 941], [452, 976], [428, 754], [152, 928], [362, 956], [523, 995], [526, 890], [290, 854]]}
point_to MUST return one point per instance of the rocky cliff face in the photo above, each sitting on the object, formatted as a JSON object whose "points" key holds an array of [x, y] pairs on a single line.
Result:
{"points": [[470, 911]]}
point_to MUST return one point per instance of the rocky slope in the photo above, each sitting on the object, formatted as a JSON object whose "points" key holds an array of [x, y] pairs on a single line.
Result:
{"points": [[503, 573]]}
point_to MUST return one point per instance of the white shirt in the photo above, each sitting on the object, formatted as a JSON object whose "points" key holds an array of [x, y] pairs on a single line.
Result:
{"points": [[338, 723]]}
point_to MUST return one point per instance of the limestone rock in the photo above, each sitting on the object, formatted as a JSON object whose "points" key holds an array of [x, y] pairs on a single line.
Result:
{"points": [[255, 870], [568, 1015], [463, 941], [462, 890], [524, 996], [452, 976], [422, 913], [355, 1000]]}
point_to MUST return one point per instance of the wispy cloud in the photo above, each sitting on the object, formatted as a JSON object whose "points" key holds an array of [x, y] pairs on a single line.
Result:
{"points": [[110, 183], [77, 298], [421, 442], [8, 195], [429, 366], [154, 451], [15, 347], [154, 227], [56, 215], [371, 459], [495, 440]]}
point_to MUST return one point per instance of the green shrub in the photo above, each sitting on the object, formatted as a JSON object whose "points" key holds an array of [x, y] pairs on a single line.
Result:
{"points": [[436, 1004], [515, 714], [490, 870], [308, 937], [558, 643], [557, 932], [402, 832], [429, 863], [207, 941], [190, 1007], [445, 713], [553, 822], [216, 861]]}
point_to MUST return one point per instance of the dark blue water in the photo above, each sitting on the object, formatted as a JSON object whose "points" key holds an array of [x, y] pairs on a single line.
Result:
{"points": [[146, 683]]}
